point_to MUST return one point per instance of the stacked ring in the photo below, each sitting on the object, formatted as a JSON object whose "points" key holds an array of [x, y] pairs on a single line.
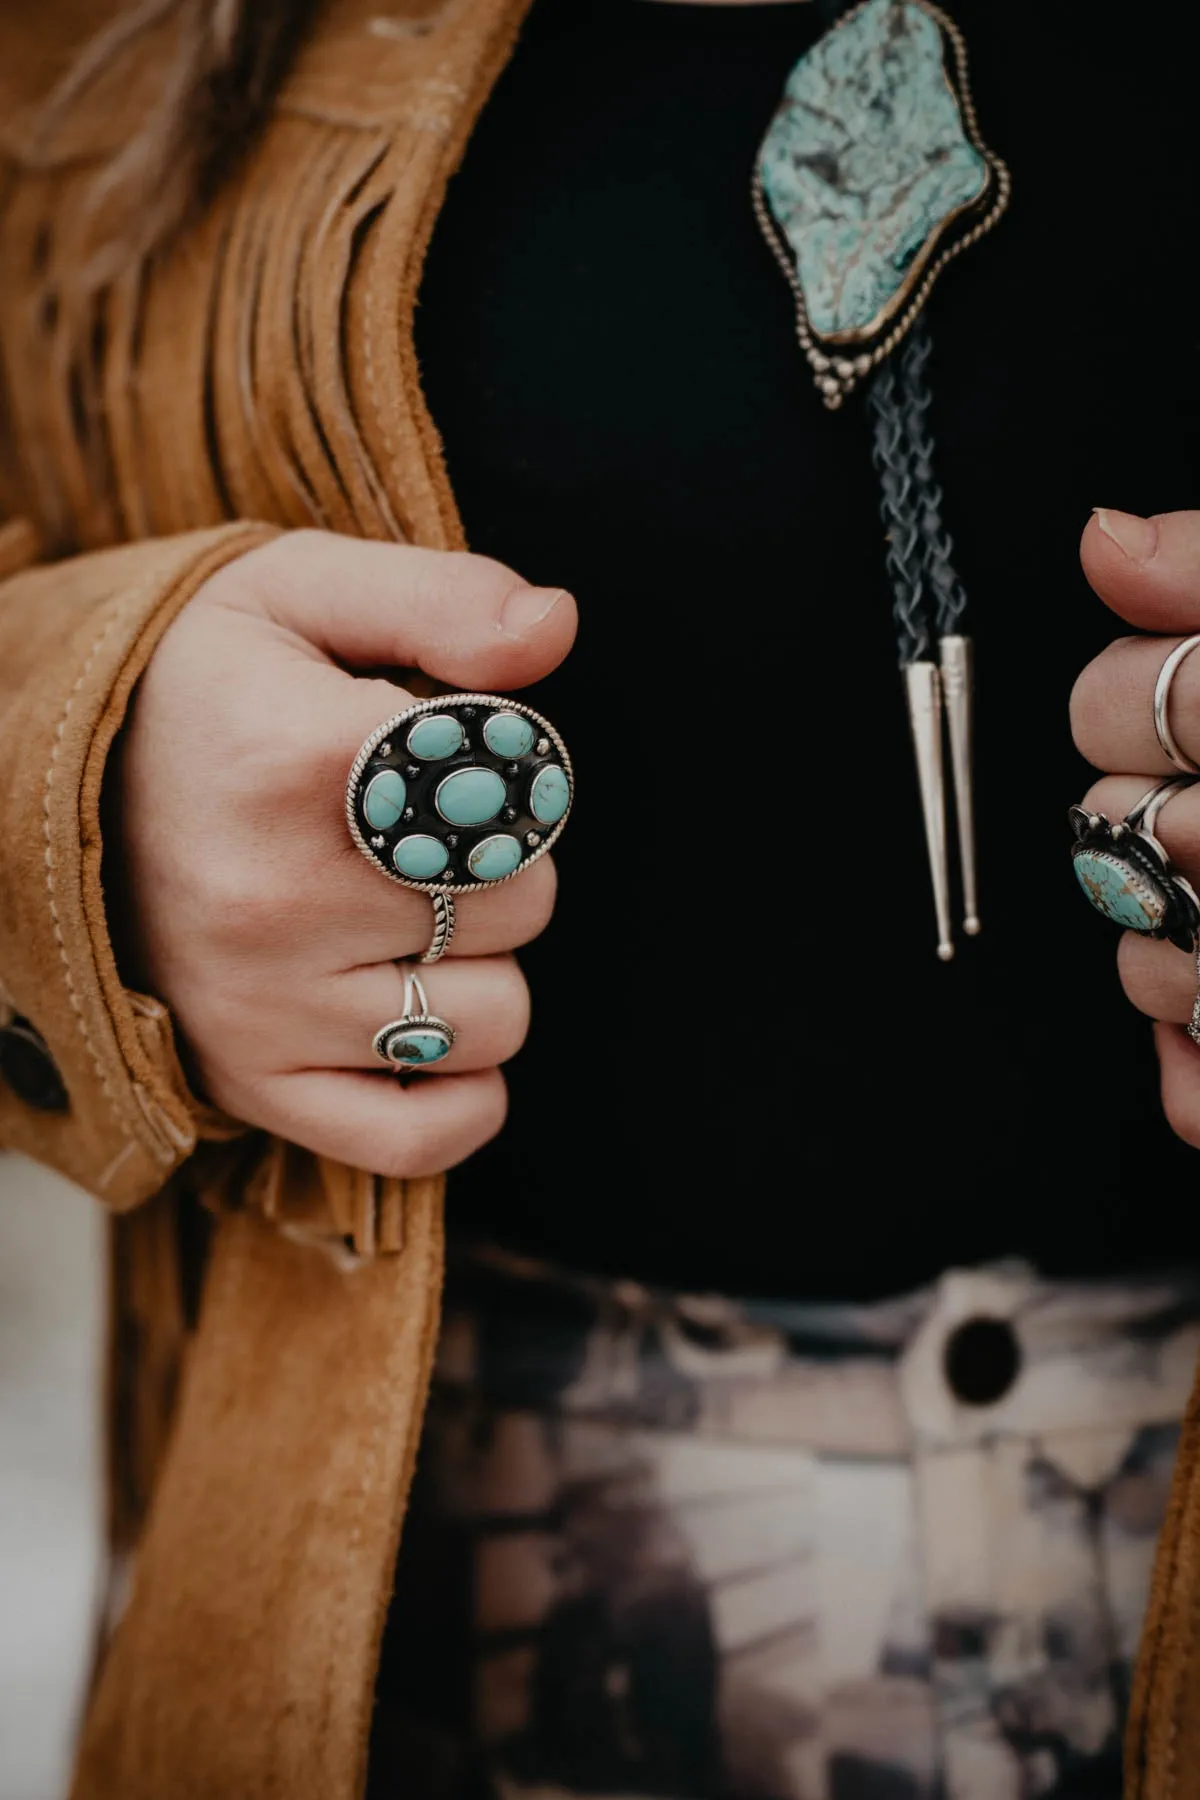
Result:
{"points": [[458, 794], [1128, 876], [1162, 702]]}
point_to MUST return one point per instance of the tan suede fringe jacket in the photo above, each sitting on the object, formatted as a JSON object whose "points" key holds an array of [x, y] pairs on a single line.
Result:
{"points": [[262, 376]]}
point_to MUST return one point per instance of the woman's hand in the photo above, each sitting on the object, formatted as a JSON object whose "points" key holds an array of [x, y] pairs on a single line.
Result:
{"points": [[1148, 571], [254, 915]]}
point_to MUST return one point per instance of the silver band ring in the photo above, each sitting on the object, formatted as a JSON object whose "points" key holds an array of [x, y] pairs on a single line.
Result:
{"points": [[1142, 815], [418, 1038], [1162, 700]]}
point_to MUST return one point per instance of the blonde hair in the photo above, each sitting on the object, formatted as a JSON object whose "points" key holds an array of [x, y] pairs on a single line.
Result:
{"points": [[228, 59], [105, 222]]}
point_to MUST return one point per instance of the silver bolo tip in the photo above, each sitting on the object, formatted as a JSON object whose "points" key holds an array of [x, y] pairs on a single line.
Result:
{"points": [[923, 693], [957, 684]]}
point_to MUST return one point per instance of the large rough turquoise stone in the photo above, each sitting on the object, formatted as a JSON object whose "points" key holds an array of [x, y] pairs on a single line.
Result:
{"points": [[471, 796], [417, 1044], [384, 800], [508, 734], [866, 161], [1121, 892], [436, 736], [549, 794], [495, 857], [420, 857]]}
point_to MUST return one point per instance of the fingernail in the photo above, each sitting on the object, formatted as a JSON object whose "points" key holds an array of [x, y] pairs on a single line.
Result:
{"points": [[527, 607], [1136, 538]]}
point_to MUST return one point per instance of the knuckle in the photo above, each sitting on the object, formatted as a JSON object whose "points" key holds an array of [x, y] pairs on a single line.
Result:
{"points": [[242, 909], [1181, 1104], [534, 908], [1084, 709], [1106, 689], [512, 1012], [1156, 977], [431, 1143]]}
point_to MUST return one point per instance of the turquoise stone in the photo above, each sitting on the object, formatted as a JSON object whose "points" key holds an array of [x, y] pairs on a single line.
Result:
{"points": [[866, 161], [384, 800], [420, 857], [495, 857], [508, 734], [471, 796], [1121, 892], [436, 736], [550, 795], [417, 1044]]}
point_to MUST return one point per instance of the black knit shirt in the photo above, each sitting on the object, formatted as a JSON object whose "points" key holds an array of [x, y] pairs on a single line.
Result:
{"points": [[747, 1070]]}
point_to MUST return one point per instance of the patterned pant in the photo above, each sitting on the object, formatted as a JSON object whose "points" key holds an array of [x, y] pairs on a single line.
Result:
{"points": [[690, 1547]]}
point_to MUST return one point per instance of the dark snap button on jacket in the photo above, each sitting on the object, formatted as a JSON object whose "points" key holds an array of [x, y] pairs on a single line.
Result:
{"points": [[27, 1067]]}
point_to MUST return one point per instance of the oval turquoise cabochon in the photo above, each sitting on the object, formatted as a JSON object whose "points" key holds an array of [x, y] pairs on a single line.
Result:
{"points": [[471, 796], [1119, 891], [420, 856], [418, 1045], [435, 737], [383, 802], [508, 734], [549, 795], [495, 857]]}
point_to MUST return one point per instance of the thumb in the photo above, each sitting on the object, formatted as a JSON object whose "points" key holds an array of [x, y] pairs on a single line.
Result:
{"points": [[1147, 570], [463, 619]]}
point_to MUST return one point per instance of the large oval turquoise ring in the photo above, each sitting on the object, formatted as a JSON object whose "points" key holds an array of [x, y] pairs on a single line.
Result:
{"points": [[458, 794], [1128, 876]]}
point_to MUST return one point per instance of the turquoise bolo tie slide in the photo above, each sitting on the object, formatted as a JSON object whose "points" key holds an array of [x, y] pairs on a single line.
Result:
{"points": [[1128, 876], [871, 179], [457, 794]]}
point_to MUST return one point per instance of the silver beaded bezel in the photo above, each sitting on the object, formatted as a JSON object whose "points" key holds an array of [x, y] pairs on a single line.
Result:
{"points": [[398, 726]]}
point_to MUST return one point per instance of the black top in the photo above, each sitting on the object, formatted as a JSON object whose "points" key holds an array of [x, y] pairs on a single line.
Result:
{"points": [[747, 1069]]}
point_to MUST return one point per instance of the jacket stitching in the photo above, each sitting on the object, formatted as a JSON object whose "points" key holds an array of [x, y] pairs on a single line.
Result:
{"points": [[115, 616]]}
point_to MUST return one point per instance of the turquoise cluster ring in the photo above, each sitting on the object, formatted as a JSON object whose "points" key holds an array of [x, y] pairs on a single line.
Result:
{"points": [[1128, 876], [458, 794]]}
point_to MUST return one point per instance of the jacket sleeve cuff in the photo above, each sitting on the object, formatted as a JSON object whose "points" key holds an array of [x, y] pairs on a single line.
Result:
{"points": [[89, 1080]]}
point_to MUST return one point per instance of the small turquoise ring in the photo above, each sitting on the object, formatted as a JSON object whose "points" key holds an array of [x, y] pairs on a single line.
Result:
{"points": [[417, 1039], [458, 794], [1128, 876]]}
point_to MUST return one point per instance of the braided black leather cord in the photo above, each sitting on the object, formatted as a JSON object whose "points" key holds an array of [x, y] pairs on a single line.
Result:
{"points": [[902, 513], [949, 595]]}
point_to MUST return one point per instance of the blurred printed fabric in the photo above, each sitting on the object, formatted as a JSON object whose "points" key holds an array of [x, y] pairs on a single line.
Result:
{"points": [[52, 1286], [687, 1547]]}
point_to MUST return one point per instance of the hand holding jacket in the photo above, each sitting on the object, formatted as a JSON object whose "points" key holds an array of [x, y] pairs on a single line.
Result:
{"points": [[254, 916]]}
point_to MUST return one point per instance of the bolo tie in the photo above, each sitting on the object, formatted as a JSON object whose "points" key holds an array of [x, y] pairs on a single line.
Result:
{"points": [[871, 179]]}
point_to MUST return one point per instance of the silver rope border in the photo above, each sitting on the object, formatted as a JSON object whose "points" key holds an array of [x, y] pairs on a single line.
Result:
{"points": [[390, 728]]}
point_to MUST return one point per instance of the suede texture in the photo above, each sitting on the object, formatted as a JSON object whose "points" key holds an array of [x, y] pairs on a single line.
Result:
{"points": [[262, 369], [245, 1662], [73, 639]]}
